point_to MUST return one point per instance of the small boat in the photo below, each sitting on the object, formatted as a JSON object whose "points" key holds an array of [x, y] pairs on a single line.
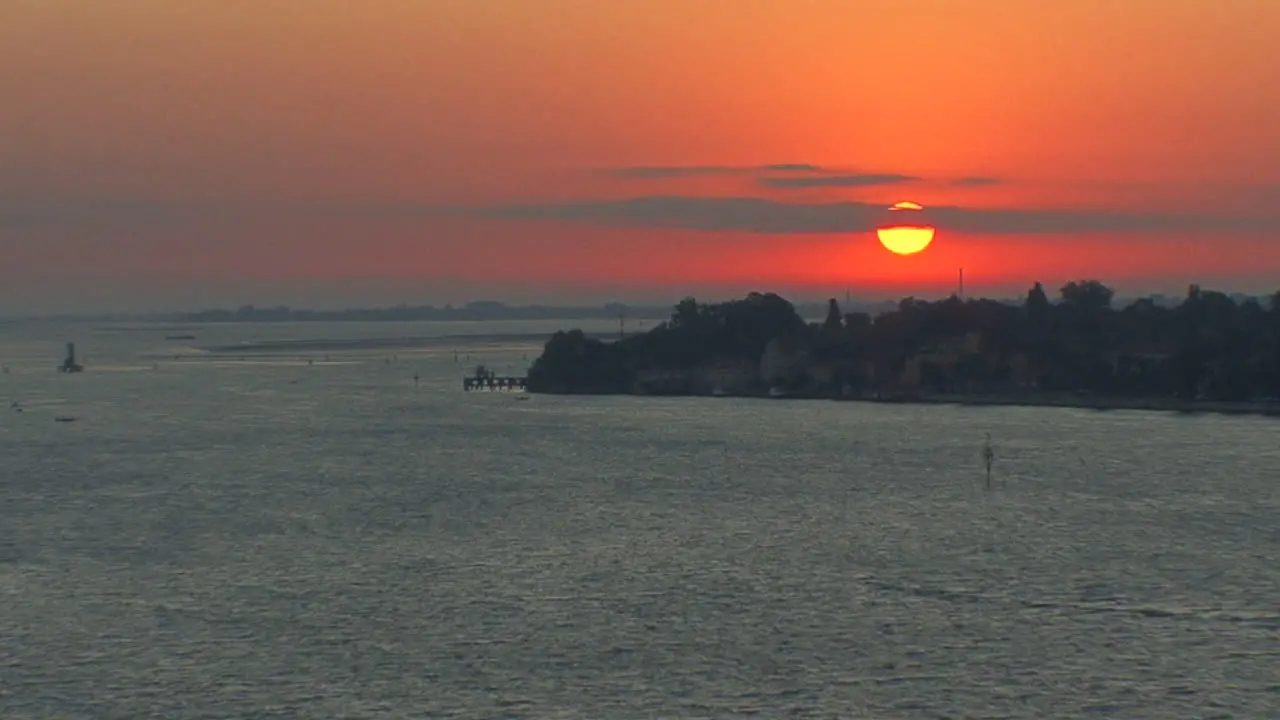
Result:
{"points": [[777, 392], [718, 391], [64, 419]]}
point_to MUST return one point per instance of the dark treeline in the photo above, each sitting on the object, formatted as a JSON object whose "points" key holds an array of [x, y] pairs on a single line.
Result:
{"points": [[1210, 346]]}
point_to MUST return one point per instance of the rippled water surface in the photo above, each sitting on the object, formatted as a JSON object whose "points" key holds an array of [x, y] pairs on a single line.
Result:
{"points": [[250, 535]]}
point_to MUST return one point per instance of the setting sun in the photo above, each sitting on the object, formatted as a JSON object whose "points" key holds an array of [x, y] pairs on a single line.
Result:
{"points": [[905, 239]]}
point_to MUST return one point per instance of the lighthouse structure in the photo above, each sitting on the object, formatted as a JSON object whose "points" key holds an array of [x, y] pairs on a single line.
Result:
{"points": [[69, 364]]}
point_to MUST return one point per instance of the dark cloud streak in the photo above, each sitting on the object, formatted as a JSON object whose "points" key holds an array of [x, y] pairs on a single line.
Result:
{"points": [[976, 181], [793, 167], [789, 175], [763, 216], [668, 172], [752, 215], [657, 172], [838, 181]]}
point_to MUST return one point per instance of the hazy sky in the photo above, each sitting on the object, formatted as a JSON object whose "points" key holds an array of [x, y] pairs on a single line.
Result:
{"points": [[196, 152]]}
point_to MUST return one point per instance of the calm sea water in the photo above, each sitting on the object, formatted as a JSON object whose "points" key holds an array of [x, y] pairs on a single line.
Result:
{"points": [[218, 537]]}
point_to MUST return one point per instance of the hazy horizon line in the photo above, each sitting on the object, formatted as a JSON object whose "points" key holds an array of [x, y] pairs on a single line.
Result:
{"points": [[471, 306]]}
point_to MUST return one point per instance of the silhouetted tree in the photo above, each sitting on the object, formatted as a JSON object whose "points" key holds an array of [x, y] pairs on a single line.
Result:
{"points": [[1038, 306], [1209, 346], [1088, 295], [834, 319], [573, 362], [686, 314]]}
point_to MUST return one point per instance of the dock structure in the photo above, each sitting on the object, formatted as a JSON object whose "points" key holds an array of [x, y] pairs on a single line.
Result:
{"points": [[485, 379]]}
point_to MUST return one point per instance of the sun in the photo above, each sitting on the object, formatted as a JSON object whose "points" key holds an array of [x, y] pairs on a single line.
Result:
{"points": [[904, 238]]}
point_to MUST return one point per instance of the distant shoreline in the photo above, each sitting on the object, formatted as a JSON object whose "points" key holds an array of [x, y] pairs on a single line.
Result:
{"points": [[184, 320], [312, 345], [1101, 404], [481, 311], [1034, 400]]}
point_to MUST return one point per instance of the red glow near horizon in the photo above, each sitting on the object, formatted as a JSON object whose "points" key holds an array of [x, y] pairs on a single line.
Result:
{"points": [[149, 141]]}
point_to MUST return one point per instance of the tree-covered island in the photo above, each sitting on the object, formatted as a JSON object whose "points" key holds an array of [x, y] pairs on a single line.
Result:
{"points": [[1208, 351]]}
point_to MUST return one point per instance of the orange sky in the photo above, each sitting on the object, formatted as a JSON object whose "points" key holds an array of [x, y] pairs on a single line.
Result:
{"points": [[335, 142]]}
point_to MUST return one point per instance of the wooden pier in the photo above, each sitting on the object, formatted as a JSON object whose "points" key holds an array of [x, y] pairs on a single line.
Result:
{"points": [[485, 379]]}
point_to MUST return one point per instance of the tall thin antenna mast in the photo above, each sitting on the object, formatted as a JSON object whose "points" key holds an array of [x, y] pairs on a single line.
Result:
{"points": [[961, 283]]}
